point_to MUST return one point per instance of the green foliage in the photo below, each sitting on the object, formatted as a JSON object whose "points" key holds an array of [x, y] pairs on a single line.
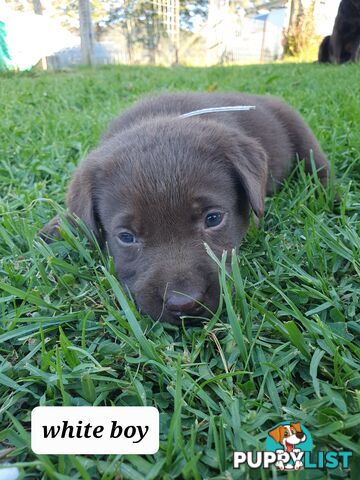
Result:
{"points": [[286, 345], [191, 9]]}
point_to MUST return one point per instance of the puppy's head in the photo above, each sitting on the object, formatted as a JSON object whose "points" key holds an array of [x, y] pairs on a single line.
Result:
{"points": [[156, 193], [288, 435]]}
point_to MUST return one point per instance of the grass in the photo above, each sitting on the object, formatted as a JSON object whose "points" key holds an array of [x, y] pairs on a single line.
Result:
{"points": [[286, 345]]}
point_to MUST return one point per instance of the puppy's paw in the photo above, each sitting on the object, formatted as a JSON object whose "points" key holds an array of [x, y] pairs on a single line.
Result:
{"points": [[50, 232]]}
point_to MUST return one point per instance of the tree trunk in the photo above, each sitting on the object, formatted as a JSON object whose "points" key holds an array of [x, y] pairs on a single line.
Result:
{"points": [[296, 10], [37, 7], [86, 32]]}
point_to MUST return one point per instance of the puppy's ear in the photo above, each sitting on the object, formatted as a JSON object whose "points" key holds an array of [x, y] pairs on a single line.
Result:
{"points": [[80, 203], [276, 433], [80, 197], [250, 163]]}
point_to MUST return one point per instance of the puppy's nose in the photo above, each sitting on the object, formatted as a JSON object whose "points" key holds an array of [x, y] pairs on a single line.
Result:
{"points": [[300, 435], [188, 304]]}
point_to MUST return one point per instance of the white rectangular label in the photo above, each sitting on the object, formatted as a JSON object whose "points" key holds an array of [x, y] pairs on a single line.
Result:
{"points": [[101, 430]]}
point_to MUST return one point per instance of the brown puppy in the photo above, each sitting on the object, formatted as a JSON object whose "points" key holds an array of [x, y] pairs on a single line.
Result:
{"points": [[344, 43], [160, 186]]}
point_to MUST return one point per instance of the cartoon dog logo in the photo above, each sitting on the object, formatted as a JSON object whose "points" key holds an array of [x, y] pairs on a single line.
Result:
{"points": [[288, 436]]}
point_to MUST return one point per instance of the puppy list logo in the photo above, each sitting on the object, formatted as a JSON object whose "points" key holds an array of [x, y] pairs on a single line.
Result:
{"points": [[288, 446], [294, 439]]}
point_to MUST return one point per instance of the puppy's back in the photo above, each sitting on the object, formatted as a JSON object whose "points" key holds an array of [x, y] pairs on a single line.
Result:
{"points": [[277, 127], [175, 104]]}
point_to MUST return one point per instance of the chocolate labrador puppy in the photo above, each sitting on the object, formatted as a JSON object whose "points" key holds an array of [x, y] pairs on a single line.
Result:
{"points": [[343, 45], [159, 186]]}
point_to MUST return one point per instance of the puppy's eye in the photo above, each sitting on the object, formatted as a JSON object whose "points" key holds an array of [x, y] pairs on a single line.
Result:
{"points": [[127, 238], [286, 433], [213, 219]]}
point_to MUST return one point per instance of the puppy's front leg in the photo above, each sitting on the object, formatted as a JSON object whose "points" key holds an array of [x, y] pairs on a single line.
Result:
{"points": [[50, 231]]}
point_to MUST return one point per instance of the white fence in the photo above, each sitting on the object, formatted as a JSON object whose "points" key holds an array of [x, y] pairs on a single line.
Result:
{"points": [[235, 39]]}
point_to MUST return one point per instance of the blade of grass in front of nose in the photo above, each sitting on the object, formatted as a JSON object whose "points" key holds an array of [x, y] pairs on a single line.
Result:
{"points": [[145, 344], [233, 318]]}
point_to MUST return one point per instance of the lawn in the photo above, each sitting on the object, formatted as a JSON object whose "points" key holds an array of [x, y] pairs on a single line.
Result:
{"points": [[286, 344]]}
